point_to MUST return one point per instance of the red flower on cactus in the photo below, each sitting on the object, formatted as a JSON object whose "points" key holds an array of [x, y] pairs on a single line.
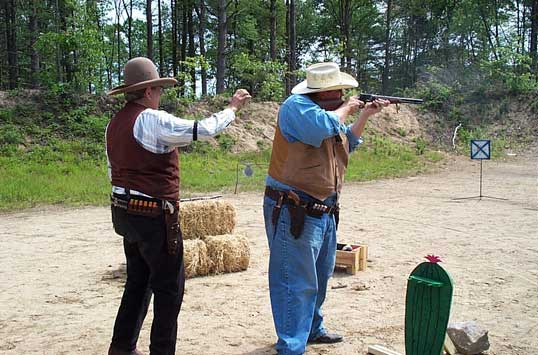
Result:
{"points": [[433, 259]]}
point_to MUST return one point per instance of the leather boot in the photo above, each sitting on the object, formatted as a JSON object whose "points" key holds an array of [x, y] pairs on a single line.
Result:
{"points": [[112, 350], [327, 338]]}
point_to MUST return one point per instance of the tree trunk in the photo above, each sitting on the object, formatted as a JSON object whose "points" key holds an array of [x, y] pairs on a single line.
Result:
{"points": [[130, 29], [345, 13], [523, 28], [534, 36], [222, 30], [497, 39], [385, 74], [450, 6], [201, 12], [149, 30], [518, 27], [66, 61], [292, 63], [11, 30], [272, 31], [129, 12], [192, 48], [161, 53], [287, 76], [487, 29], [174, 37], [59, 72], [34, 56], [118, 40], [184, 39]]}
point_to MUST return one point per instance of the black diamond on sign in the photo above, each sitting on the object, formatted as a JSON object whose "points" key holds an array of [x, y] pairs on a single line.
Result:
{"points": [[248, 171]]}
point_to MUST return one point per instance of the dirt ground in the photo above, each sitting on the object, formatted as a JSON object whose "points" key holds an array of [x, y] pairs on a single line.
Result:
{"points": [[60, 285]]}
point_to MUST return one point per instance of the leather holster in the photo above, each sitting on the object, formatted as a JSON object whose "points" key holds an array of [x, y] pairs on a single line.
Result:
{"points": [[173, 230]]}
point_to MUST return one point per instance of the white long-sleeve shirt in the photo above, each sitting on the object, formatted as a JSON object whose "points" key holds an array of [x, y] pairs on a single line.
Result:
{"points": [[160, 132]]}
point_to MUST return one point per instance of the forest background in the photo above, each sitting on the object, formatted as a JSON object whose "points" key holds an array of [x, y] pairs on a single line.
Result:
{"points": [[475, 64]]}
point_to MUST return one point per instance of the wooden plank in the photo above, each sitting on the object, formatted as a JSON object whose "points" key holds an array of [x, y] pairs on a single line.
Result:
{"points": [[363, 257], [449, 346], [349, 268], [381, 350], [347, 256]]}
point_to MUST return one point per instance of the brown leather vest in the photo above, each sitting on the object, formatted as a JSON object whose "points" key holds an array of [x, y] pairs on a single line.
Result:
{"points": [[136, 168], [317, 171]]}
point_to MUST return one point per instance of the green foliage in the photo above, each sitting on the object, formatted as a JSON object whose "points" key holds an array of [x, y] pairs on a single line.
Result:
{"points": [[226, 142], [262, 78], [420, 145], [6, 115], [402, 132], [511, 72], [190, 64], [10, 134], [534, 106], [436, 95]]}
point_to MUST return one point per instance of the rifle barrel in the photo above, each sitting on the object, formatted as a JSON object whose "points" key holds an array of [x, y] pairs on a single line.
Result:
{"points": [[392, 99]]}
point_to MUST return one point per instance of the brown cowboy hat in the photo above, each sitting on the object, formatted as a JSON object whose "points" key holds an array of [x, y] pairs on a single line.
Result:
{"points": [[140, 73]]}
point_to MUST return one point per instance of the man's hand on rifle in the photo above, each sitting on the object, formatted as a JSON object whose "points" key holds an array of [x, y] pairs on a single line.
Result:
{"points": [[349, 107], [371, 108]]}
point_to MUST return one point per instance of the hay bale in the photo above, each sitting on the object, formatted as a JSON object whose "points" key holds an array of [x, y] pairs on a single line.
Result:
{"points": [[227, 253], [202, 218], [195, 258]]}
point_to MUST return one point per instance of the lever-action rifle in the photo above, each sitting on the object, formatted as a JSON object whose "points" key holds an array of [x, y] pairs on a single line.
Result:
{"points": [[331, 105], [392, 99]]}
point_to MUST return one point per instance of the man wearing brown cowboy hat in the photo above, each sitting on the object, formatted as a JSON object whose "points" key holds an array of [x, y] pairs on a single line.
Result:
{"points": [[141, 144], [309, 158]]}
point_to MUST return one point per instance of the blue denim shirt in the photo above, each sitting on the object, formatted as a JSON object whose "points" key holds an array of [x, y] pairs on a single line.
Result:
{"points": [[301, 119]]}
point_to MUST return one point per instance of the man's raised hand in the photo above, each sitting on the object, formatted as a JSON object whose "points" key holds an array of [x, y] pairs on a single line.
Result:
{"points": [[239, 99]]}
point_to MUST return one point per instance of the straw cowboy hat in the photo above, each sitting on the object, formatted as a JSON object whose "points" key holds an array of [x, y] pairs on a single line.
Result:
{"points": [[324, 77], [140, 73]]}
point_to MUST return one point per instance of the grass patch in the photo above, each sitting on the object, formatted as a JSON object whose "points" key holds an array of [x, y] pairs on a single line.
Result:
{"points": [[383, 158], [222, 171], [31, 183], [75, 173]]}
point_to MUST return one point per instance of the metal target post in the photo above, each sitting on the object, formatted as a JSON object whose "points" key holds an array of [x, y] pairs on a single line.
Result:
{"points": [[480, 150], [248, 171]]}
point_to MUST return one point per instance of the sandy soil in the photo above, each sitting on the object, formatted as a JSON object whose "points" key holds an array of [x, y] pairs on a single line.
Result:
{"points": [[61, 284]]}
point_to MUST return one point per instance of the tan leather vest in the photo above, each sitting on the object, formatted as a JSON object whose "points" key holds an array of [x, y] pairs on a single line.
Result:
{"points": [[317, 171]]}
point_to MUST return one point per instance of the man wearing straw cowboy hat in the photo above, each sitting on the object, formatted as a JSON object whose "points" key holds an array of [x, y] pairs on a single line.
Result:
{"points": [[308, 161], [141, 144]]}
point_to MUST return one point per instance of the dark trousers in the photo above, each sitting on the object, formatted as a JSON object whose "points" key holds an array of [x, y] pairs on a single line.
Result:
{"points": [[150, 269]]}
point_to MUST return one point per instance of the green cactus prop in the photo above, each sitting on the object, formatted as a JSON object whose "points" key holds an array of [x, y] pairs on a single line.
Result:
{"points": [[427, 308]]}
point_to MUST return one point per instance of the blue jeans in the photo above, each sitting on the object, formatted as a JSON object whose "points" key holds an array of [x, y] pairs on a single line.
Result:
{"points": [[299, 270]]}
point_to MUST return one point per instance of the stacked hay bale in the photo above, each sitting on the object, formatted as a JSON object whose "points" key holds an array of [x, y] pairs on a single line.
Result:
{"points": [[202, 218], [195, 258], [210, 247], [228, 253]]}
